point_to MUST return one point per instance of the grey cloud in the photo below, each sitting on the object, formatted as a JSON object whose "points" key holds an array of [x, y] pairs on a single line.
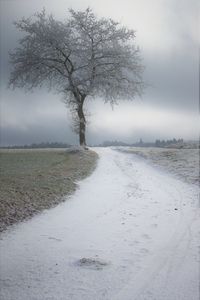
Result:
{"points": [[173, 80], [171, 70], [47, 132]]}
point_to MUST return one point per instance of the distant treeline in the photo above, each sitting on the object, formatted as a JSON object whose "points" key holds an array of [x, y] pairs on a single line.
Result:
{"points": [[173, 143], [163, 143], [40, 145]]}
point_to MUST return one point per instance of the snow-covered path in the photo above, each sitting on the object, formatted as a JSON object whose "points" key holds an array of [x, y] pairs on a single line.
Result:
{"points": [[137, 227]]}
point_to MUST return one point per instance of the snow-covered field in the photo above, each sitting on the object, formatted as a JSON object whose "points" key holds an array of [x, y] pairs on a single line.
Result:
{"points": [[130, 232], [183, 163]]}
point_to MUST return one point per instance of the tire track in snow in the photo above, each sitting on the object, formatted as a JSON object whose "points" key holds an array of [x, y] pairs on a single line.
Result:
{"points": [[169, 256], [123, 214]]}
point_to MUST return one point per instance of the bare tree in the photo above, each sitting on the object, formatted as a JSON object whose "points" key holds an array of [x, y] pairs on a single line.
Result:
{"points": [[82, 57]]}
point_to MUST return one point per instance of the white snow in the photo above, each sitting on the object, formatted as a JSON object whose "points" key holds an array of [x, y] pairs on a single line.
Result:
{"points": [[129, 232]]}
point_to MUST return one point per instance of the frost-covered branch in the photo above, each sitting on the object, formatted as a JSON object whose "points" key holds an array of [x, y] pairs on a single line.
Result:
{"points": [[80, 57]]}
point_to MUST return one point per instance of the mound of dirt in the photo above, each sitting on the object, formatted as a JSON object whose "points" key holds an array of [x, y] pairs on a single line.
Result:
{"points": [[91, 263]]}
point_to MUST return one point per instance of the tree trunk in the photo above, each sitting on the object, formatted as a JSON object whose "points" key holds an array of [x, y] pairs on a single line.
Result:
{"points": [[82, 125]]}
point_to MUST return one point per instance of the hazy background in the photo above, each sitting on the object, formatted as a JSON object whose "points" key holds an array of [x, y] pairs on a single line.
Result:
{"points": [[167, 35]]}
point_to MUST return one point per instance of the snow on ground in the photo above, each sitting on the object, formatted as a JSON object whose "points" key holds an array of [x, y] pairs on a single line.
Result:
{"points": [[182, 163], [129, 232]]}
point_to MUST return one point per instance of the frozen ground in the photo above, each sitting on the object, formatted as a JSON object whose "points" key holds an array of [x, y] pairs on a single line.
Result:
{"points": [[183, 163], [130, 232]]}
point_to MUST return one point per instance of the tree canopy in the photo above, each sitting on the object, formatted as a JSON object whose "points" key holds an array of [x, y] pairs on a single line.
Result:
{"points": [[80, 57]]}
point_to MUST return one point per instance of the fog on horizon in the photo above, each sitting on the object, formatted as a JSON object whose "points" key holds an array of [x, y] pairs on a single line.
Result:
{"points": [[166, 32]]}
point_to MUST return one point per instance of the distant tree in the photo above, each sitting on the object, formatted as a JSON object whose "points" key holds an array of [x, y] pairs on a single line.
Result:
{"points": [[157, 143], [141, 142], [81, 57]]}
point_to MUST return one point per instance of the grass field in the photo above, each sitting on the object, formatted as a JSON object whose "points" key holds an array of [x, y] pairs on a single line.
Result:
{"points": [[184, 163], [34, 180]]}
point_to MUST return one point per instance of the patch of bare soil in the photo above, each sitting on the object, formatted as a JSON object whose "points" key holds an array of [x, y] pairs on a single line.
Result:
{"points": [[91, 263]]}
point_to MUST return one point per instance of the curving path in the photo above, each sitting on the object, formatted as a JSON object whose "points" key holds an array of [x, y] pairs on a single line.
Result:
{"points": [[129, 232]]}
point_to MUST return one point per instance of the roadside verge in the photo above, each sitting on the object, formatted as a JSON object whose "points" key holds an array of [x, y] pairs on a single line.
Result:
{"points": [[34, 180]]}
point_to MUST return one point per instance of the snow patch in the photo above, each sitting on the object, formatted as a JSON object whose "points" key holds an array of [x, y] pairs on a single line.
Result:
{"points": [[118, 237]]}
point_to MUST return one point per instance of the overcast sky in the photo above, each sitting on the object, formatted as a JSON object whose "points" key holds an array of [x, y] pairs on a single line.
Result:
{"points": [[167, 34]]}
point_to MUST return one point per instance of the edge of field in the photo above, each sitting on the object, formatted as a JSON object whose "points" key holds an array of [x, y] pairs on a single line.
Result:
{"points": [[34, 180]]}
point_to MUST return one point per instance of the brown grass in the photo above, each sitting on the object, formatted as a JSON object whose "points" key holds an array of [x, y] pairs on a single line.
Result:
{"points": [[34, 180]]}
